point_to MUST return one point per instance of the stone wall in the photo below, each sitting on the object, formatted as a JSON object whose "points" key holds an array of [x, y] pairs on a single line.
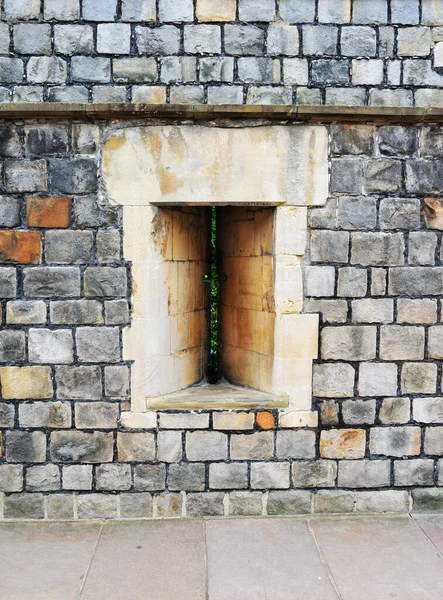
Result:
{"points": [[353, 52], [372, 271]]}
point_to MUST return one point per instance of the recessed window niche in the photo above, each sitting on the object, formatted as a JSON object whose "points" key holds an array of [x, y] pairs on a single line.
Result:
{"points": [[261, 179]]}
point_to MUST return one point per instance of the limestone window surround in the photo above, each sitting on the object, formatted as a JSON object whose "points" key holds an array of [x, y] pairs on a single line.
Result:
{"points": [[159, 173]]}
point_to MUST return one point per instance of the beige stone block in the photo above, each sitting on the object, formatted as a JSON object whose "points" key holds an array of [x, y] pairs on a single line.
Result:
{"points": [[296, 336], [189, 367], [233, 421], [301, 418], [343, 443], [293, 377], [150, 289], [273, 164], [290, 230], [22, 383], [155, 225], [264, 230], [216, 10], [288, 291], [133, 420]]}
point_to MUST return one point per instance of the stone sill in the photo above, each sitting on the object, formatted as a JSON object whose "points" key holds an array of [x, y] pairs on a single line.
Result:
{"points": [[50, 110], [222, 396]]}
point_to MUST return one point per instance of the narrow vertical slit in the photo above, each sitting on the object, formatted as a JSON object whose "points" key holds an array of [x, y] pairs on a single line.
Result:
{"points": [[213, 374]]}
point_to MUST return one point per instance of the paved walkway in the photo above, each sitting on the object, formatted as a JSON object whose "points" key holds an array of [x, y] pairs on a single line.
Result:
{"points": [[314, 558]]}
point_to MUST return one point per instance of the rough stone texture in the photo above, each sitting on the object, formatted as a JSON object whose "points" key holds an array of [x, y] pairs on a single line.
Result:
{"points": [[289, 502]]}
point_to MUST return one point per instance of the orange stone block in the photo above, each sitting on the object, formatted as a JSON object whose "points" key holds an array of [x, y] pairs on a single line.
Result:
{"points": [[20, 247], [53, 212], [265, 420]]}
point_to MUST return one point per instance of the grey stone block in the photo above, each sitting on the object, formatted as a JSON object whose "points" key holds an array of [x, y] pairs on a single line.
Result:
{"points": [[77, 477], [291, 502], [244, 40], [282, 40], [149, 477], [76, 312], [138, 10], [405, 12], [163, 40], [25, 446], [333, 501], [206, 445], [257, 70], [46, 346], [25, 10], [390, 97], [9, 211], [209, 504], [108, 246], [329, 246], [112, 478], [416, 281], [348, 343], [46, 69], [135, 70], [89, 212], [395, 441], [352, 282], [359, 412], [400, 213], [79, 446], [377, 249], [46, 139], [186, 476], [324, 217], [73, 39], [69, 247], [8, 282], [105, 281], [424, 176], [395, 410], [422, 248], [358, 41], [78, 383], [11, 70], [228, 476], [113, 38], [32, 38], [297, 11], [135, 447], [400, 342], [254, 446], [337, 12], [116, 381], [332, 311], [62, 10], [85, 138], [296, 71], [269, 95], [369, 310], [342, 96], [91, 69], [74, 93], [313, 474], [434, 441], [24, 506], [431, 141], [295, 444], [25, 175], [364, 473], [386, 38], [11, 478], [60, 506], [178, 69], [319, 40], [418, 378], [375, 12], [4, 38], [7, 416], [54, 415], [98, 344], [135, 506], [377, 379], [52, 281], [245, 503], [414, 41], [270, 475], [215, 68], [251, 10], [430, 499], [43, 478], [72, 175], [382, 175], [202, 39], [97, 506], [185, 420], [353, 139], [169, 446], [187, 94], [12, 346], [332, 381], [414, 472], [176, 11], [347, 175], [96, 415], [116, 312], [330, 72], [99, 10], [416, 311], [320, 281], [419, 72], [382, 501], [310, 96], [428, 410]]}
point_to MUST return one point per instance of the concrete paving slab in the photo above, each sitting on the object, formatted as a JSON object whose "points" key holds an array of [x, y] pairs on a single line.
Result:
{"points": [[382, 558], [264, 559], [149, 560], [432, 526], [45, 561]]}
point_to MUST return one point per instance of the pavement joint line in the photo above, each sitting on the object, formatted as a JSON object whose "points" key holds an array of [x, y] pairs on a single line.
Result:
{"points": [[206, 560], [323, 560], [426, 535], [102, 524]]}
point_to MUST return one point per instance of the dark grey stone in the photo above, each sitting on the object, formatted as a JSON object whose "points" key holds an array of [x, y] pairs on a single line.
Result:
{"points": [[72, 175], [25, 446], [9, 211], [24, 506], [353, 139], [98, 344], [88, 212], [105, 281], [289, 502], [356, 212], [164, 40], [79, 446], [10, 144], [330, 72], [243, 40], [78, 383], [46, 139], [149, 477], [347, 175], [76, 312], [209, 504], [424, 176], [69, 247], [52, 281], [394, 140], [383, 176], [12, 346], [186, 476]]}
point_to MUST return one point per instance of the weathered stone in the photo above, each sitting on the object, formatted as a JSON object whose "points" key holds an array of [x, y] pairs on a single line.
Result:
{"points": [[234, 421], [347, 175], [416, 281], [73, 39], [69, 247], [113, 477], [341, 96], [378, 379], [289, 502], [52, 281], [25, 175], [358, 41], [105, 281], [394, 140], [245, 503], [332, 311], [149, 477], [138, 70], [116, 381], [328, 412], [400, 213], [427, 499], [184, 420], [329, 246], [348, 343], [367, 71], [395, 441], [169, 445], [46, 69], [424, 176], [395, 410], [97, 506], [25, 446], [77, 477], [356, 213], [378, 282], [135, 506], [358, 412], [55, 415], [370, 310], [319, 40], [46, 346], [419, 378], [212, 10], [169, 505], [108, 246], [116, 312], [24, 506], [9, 211], [317, 473], [11, 478], [178, 69], [8, 282], [209, 504], [364, 473], [343, 444], [24, 383], [434, 441], [76, 312], [330, 72], [427, 410], [405, 12], [414, 41], [135, 447], [422, 247], [51, 212], [228, 476], [26, 312], [352, 282], [186, 476], [20, 247], [244, 40], [12, 346], [113, 38], [78, 446], [377, 249], [320, 281], [270, 475], [295, 444], [78, 383], [383, 175], [7, 414], [99, 10], [60, 506], [11, 70], [206, 445], [72, 175], [401, 342], [414, 472], [333, 501], [176, 10], [44, 478], [382, 501], [98, 345], [96, 415], [256, 446]]}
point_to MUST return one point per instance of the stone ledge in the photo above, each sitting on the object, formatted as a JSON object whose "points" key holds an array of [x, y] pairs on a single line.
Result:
{"points": [[320, 113]]}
